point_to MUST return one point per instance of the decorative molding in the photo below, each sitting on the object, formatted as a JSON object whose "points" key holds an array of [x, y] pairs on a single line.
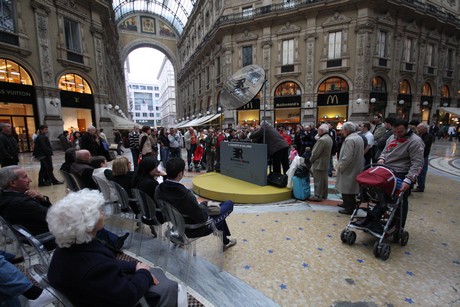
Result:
{"points": [[335, 20], [247, 36], [387, 19], [38, 6], [100, 67], [288, 28], [44, 51]]}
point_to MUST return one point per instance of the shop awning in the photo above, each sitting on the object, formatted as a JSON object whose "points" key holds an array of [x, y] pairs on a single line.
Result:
{"points": [[455, 111], [209, 119], [122, 123], [183, 124]]}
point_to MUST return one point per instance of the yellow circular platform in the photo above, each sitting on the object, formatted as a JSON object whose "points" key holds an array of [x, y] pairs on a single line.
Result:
{"points": [[219, 187]]}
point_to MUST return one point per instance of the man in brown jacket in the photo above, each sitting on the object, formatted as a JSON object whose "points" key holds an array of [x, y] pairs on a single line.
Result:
{"points": [[320, 162]]}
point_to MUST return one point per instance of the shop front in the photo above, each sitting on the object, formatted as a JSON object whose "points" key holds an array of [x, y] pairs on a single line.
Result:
{"points": [[332, 108], [404, 100], [18, 102], [378, 98], [249, 114], [77, 103], [287, 104]]}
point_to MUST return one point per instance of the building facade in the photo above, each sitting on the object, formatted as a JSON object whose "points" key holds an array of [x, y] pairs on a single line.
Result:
{"points": [[59, 66], [167, 99], [325, 61], [143, 103]]}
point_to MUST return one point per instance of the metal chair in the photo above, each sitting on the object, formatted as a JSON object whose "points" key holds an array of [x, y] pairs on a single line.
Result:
{"points": [[124, 211], [108, 191], [36, 242], [149, 214], [10, 241], [176, 234], [73, 185]]}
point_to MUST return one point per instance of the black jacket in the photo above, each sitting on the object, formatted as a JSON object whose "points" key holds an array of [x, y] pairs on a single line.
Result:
{"points": [[275, 142], [186, 203], [9, 149], [42, 146], [89, 275], [88, 142]]}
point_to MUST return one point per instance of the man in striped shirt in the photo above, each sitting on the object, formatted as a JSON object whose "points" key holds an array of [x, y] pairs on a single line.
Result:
{"points": [[134, 145]]}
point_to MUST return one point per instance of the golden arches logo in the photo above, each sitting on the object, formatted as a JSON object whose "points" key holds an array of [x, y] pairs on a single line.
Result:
{"points": [[332, 99]]}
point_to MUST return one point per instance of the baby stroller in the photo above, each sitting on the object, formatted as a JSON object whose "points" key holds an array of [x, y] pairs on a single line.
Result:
{"points": [[380, 191], [197, 159]]}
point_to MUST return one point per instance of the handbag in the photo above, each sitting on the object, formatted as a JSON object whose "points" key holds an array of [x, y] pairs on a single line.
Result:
{"points": [[277, 180], [113, 146]]}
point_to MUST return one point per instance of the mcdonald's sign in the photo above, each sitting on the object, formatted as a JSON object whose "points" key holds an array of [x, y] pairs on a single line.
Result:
{"points": [[335, 99]]}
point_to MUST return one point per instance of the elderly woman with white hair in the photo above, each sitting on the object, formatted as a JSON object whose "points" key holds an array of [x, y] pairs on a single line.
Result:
{"points": [[86, 271]]}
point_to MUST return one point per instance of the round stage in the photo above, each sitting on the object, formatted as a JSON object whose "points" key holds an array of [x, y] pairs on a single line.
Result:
{"points": [[219, 187]]}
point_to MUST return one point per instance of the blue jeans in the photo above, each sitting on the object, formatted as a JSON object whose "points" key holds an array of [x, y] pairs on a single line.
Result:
{"points": [[164, 155], [422, 176]]}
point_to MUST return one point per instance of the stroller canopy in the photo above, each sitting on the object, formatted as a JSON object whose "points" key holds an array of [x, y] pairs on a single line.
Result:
{"points": [[379, 177]]}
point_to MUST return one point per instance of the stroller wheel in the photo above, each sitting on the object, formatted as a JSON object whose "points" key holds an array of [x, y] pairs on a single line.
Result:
{"points": [[351, 237], [385, 251], [343, 235], [376, 249], [404, 238]]}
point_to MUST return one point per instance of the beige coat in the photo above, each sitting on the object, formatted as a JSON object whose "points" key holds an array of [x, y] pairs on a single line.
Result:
{"points": [[321, 153], [350, 164]]}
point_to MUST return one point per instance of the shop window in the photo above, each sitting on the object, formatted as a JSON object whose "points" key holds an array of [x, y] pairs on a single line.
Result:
{"points": [[333, 84], [74, 83], [378, 85], [404, 87], [12, 72], [288, 89], [445, 93], [426, 91]]}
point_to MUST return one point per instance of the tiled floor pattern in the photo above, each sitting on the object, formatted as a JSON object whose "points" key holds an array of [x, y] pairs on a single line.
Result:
{"points": [[293, 254]]}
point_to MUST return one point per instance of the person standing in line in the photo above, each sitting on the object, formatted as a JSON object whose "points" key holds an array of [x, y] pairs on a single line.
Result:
{"points": [[145, 147], [349, 165], [118, 140], [380, 145], [320, 162], [210, 150], [153, 137], [365, 129], [9, 149], [63, 139], [333, 134], [190, 140], [427, 138], [43, 152], [164, 146], [102, 135], [378, 132], [175, 140], [90, 141], [451, 132], [133, 138]]}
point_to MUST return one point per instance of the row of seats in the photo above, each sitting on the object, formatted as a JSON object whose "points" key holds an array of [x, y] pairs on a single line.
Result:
{"points": [[172, 220]]}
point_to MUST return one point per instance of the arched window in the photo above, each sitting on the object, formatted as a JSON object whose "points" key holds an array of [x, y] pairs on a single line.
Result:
{"points": [[426, 91], [404, 87], [12, 72], [287, 89], [74, 83], [378, 85], [333, 84], [445, 93]]}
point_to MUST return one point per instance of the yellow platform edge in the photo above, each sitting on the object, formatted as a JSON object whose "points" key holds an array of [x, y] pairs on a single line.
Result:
{"points": [[219, 187]]}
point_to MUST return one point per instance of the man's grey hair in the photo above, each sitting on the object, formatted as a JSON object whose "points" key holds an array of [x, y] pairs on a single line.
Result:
{"points": [[349, 126], [3, 124], [72, 219], [8, 174], [324, 128]]}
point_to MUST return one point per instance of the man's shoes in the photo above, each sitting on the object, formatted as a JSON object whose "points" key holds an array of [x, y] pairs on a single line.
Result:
{"points": [[341, 205], [230, 243], [418, 190], [121, 241], [58, 182], [44, 184], [346, 211], [316, 198]]}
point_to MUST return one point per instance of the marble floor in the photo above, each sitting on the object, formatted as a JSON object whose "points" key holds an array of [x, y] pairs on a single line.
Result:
{"points": [[290, 253]]}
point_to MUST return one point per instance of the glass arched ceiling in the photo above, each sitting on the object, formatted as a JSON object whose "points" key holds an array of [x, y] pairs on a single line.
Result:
{"points": [[176, 12]]}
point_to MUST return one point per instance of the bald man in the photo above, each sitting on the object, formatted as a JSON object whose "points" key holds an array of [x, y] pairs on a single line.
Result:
{"points": [[83, 170]]}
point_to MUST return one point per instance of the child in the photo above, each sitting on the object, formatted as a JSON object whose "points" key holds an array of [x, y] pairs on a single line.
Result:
{"points": [[293, 153]]}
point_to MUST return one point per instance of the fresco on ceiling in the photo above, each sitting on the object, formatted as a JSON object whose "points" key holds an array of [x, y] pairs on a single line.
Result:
{"points": [[165, 30], [129, 24]]}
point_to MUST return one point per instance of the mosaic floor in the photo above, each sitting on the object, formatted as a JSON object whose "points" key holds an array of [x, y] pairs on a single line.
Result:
{"points": [[293, 255]]}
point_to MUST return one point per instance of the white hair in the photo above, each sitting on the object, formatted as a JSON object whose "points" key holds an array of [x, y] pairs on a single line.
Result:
{"points": [[72, 219], [324, 128], [349, 126]]}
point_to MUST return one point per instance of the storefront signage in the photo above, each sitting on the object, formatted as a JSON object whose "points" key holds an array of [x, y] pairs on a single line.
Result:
{"points": [[336, 99], [76, 100], [18, 93], [244, 161], [254, 104], [287, 102]]}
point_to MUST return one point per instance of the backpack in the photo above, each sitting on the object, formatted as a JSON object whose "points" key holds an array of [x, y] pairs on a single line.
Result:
{"points": [[301, 187]]}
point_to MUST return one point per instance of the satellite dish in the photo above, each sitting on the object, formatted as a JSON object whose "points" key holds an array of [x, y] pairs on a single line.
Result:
{"points": [[242, 87]]}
